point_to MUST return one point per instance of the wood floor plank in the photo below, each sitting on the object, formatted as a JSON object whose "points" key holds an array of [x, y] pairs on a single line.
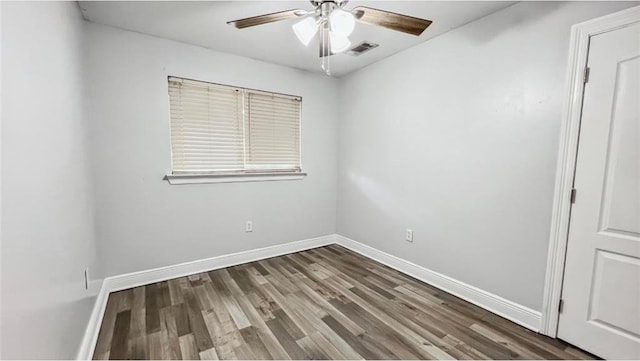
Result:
{"points": [[260, 269], [429, 341], [363, 344], [188, 348], [300, 321], [242, 279], [181, 318], [328, 347], [204, 301], [119, 348], [169, 335], [423, 345], [326, 331], [253, 317], [312, 279], [506, 341], [577, 353], [214, 326], [277, 279], [546, 347], [397, 344], [138, 314], [138, 347], [287, 341], [165, 295], [231, 304], [103, 345], [354, 328], [226, 352], [311, 349], [289, 325], [209, 354], [125, 299], [154, 345], [101, 356], [224, 317], [174, 292], [244, 352], [252, 339], [152, 311], [324, 303], [196, 321], [257, 275], [469, 352]]}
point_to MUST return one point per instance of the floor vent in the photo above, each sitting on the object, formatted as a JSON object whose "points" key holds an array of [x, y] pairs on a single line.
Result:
{"points": [[362, 48]]}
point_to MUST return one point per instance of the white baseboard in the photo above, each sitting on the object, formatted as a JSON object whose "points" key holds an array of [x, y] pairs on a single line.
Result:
{"points": [[129, 280], [512, 311], [90, 337]]}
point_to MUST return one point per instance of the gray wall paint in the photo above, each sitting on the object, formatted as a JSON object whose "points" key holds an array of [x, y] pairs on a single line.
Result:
{"points": [[142, 221], [47, 224], [457, 139]]}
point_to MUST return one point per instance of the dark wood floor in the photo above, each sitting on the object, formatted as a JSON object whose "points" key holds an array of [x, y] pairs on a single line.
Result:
{"points": [[325, 303]]}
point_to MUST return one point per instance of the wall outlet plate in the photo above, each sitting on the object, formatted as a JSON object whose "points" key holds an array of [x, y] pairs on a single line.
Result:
{"points": [[248, 227], [409, 235]]}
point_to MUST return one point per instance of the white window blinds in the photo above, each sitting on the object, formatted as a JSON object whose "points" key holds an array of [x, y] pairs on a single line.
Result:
{"points": [[223, 129]]}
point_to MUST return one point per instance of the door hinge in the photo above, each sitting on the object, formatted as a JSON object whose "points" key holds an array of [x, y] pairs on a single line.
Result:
{"points": [[587, 70], [560, 306], [573, 195]]}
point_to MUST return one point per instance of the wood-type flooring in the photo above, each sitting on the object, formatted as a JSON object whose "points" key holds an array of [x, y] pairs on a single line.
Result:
{"points": [[324, 303]]}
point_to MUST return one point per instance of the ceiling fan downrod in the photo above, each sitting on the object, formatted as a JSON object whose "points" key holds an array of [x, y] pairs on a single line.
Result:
{"points": [[325, 41]]}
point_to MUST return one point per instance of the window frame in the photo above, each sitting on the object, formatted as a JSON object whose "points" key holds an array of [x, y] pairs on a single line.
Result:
{"points": [[245, 175]]}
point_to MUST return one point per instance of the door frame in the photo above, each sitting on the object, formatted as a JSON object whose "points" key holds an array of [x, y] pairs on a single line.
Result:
{"points": [[567, 155]]}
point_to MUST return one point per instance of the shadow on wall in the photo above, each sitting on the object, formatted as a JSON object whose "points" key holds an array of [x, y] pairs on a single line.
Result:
{"points": [[378, 196], [504, 24], [58, 329]]}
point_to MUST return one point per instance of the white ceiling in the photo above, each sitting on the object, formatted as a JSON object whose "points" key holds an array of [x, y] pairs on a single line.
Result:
{"points": [[204, 24]]}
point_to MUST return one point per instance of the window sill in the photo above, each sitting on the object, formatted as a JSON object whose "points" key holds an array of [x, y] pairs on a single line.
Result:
{"points": [[177, 179]]}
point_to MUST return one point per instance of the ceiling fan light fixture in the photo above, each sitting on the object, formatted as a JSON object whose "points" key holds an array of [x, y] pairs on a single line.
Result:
{"points": [[342, 22], [305, 30], [335, 25], [339, 43]]}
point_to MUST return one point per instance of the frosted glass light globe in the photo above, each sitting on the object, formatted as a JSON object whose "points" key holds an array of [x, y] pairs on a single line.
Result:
{"points": [[342, 22], [339, 43], [305, 30]]}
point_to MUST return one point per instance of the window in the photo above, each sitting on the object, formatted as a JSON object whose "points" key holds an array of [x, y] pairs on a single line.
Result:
{"points": [[224, 131]]}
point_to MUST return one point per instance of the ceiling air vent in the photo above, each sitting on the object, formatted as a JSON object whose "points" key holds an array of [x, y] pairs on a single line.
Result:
{"points": [[362, 48]]}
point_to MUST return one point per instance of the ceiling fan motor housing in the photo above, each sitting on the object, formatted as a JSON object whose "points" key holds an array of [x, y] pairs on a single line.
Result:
{"points": [[317, 3]]}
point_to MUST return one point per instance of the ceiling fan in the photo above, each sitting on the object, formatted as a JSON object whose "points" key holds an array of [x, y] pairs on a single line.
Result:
{"points": [[334, 24]]}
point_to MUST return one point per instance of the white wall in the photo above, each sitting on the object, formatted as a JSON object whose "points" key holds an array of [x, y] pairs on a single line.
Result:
{"points": [[47, 225], [457, 139], [144, 222]]}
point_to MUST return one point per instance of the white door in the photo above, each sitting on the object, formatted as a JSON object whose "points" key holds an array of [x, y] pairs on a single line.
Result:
{"points": [[601, 290]]}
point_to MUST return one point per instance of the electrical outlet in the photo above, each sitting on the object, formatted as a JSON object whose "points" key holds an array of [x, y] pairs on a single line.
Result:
{"points": [[409, 236], [86, 278], [248, 227]]}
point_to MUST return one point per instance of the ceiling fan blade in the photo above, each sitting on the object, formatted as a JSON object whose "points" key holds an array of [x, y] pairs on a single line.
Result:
{"points": [[404, 23], [267, 18]]}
